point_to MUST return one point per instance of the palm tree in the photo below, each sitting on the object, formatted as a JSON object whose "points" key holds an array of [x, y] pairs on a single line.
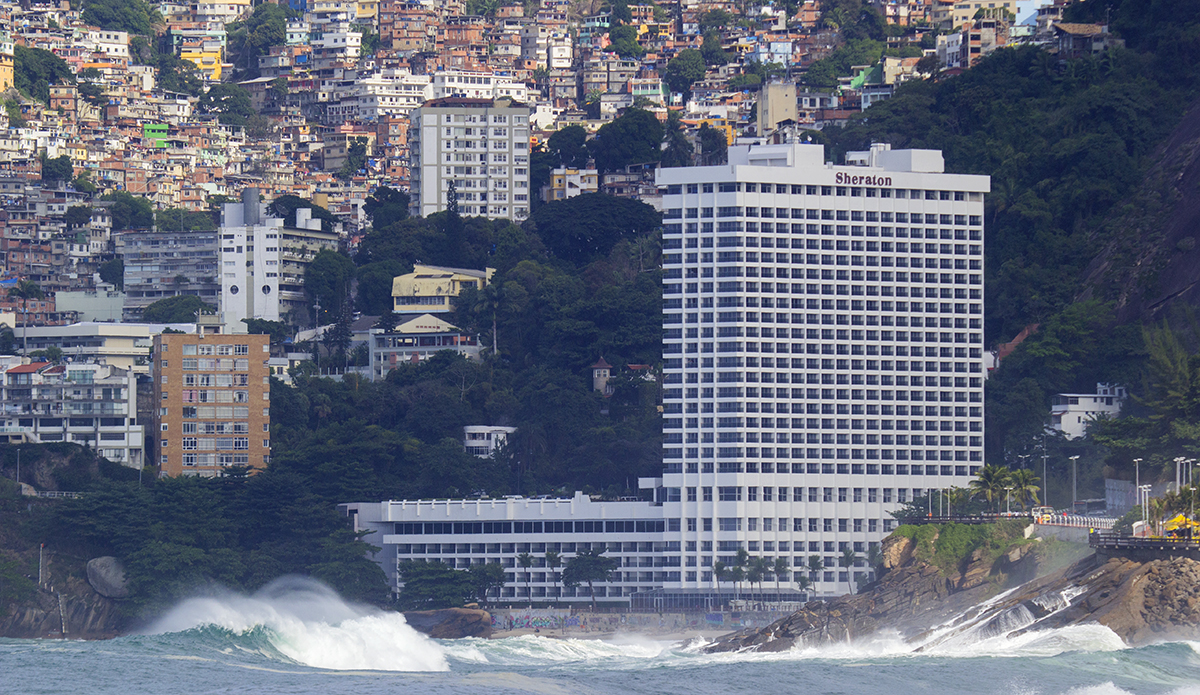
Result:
{"points": [[847, 560], [1025, 486], [737, 574], [525, 560], [756, 571], [781, 567], [815, 565], [553, 560], [720, 571], [990, 482], [26, 290]]}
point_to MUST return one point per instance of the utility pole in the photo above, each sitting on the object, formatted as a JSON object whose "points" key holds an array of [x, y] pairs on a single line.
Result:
{"points": [[1137, 474], [1074, 480], [18, 469], [1045, 480]]}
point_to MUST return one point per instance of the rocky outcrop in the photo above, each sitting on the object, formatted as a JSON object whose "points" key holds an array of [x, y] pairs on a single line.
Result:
{"points": [[71, 614], [451, 623], [1141, 602], [107, 576], [910, 596]]}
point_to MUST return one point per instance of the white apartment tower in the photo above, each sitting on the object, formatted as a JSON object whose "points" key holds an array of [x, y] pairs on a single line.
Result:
{"points": [[477, 148], [823, 351]]}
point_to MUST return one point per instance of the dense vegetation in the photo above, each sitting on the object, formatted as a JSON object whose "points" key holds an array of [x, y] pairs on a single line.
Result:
{"points": [[557, 302], [1064, 143]]}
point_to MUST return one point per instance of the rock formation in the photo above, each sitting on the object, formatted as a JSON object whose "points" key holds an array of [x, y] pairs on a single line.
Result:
{"points": [[451, 623], [1140, 601], [107, 576]]}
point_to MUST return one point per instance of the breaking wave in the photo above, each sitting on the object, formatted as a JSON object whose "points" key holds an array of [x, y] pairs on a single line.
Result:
{"points": [[304, 622]]}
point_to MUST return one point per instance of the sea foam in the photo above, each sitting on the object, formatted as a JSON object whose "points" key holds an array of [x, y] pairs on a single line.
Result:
{"points": [[308, 623]]}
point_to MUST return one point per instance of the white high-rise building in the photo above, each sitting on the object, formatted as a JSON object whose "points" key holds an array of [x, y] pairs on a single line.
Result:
{"points": [[823, 364], [478, 148], [823, 351]]}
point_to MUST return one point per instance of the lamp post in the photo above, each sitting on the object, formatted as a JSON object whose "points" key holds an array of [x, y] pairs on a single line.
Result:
{"points": [[1178, 468], [1045, 480], [1074, 480], [1137, 473], [1008, 501]]}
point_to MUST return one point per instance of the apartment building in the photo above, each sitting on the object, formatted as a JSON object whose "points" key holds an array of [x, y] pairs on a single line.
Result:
{"points": [[432, 289], [93, 405], [164, 263], [462, 533], [823, 349], [214, 402], [417, 337], [474, 151], [263, 262]]}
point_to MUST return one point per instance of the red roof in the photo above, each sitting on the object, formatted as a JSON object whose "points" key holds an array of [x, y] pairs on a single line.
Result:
{"points": [[28, 368], [602, 364]]}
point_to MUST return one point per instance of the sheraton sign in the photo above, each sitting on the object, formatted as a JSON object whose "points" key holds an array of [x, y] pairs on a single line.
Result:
{"points": [[849, 180]]}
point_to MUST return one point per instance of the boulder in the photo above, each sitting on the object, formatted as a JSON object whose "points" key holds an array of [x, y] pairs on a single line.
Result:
{"points": [[897, 551], [107, 576], [451, 623]]}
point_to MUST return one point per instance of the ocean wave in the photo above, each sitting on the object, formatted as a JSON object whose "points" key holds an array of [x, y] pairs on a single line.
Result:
{"points": [[304, 622]]}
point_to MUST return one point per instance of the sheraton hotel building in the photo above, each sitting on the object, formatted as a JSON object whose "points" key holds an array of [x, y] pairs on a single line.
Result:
{"points": [[822, 365]]}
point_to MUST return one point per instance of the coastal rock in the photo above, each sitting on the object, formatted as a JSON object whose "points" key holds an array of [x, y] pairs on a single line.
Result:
{"points": [[1142, 602], [451, 623], [107, 576], [897, 551]]}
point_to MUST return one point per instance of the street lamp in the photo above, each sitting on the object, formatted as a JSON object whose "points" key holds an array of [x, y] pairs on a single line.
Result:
{"points": [[1137, 473], [1008, 501], [1074, 480]]}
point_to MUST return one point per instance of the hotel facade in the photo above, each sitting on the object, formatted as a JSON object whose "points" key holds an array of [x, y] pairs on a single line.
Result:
{"points": [[823, 365]]}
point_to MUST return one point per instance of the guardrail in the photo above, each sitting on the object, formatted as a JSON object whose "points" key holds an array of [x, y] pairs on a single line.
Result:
{"points": [[972, 519], [1076, 521], [1114, 540], [57, 495]]}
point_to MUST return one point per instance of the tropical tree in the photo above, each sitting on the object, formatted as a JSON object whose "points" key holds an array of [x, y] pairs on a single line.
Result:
{"points": [[781, 568], [525, 560], [757, 570], [1025, 486], [25, 290], [846, 561], [720, 571], [588, 567], [553, 562], [990, 483], [737, 575], [486, 577]]}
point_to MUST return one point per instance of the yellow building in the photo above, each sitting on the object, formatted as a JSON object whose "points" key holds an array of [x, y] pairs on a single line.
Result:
{"points": [[568, 183], [430, 289], [208, 62], [366, 9], [6, 71]]}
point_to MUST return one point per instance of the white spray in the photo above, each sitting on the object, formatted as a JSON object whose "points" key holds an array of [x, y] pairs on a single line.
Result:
{"points": [[309, 623]]}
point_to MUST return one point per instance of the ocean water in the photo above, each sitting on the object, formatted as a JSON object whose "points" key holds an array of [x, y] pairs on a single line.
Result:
{"points": [[298, 637]]}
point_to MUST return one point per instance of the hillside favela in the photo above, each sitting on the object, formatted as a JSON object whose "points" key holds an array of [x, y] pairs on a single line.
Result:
{"points": [[600, 346]]}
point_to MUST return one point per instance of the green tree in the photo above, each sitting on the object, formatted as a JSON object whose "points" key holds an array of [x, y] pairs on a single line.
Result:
{"points": [[588, 567], [525, 562], [25, 290], [133, 16], [327, 281], [113, 272], [683, 70], [77, 216], [714, 147], [386, 206], [990, 482], [278, 330], [230, 102], [488, 578], [715, 20], [129, 211], [180, 219], [181, 308], [634, 138], [1025, 487], [711, 51], [583, 228], [57, 169], [35, 69], [569, 146], [249, 40], [553, 562], [285, 207], [374, 287], [432, 585], [623, 41], [356, 159], [782, 569]]}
